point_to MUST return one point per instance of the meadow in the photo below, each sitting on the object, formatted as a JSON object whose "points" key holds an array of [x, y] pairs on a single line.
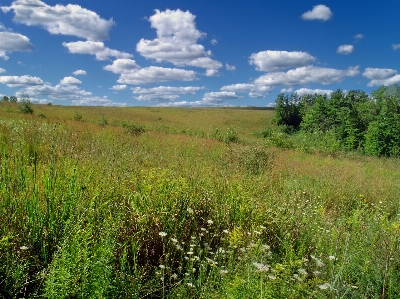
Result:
{"points": [[148, 202]]}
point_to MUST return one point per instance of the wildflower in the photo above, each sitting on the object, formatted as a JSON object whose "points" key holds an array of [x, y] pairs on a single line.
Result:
{"points": [[332, 258], [174, 276], [24, 248], [317, 273], [162, 234], [162, 267], [209, 221], [317, 261], [190, 284], [225, 231], [262, 227], [266, 247], [302, 272], [223, 272], [189, 252], [261, 267], [297, 277], [174, 240], [272, 277], [190, 211], [324, 286], [203, 229]]}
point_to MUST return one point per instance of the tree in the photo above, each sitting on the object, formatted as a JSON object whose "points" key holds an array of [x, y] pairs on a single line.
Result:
{"points": [[288, 111], [13, 99], [5, 99]]}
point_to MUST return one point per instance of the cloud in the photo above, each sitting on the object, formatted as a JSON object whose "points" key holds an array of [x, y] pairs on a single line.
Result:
{"points": [[305, 91], [219, 97], [95, 101], [319, 12], [59, 19], [279, 60], [287, 90], [2, 70], [254, 91], [230, 67], [167, 90], [95, 48], [381, 77], [377, 73], [358, 36], [11, 42], [396, 46], [212, 73], [214, 41], [306, 74], [120, 66], [345, 49], [176, 41], [79, 72], [163, 93], [20, 81], [155, 74], [387, 82], [70, 81], [118, 87]]}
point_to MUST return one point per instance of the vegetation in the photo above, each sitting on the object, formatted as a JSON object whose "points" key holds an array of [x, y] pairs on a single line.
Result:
{"points": [[352, 121], [195, 206]]}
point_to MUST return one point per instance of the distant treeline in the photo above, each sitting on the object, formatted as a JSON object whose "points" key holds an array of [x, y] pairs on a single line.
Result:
{"points": [[355, 120]]}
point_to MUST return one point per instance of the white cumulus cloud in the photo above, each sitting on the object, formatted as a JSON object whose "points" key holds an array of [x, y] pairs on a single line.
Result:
{"points": [[358, 36], [219, 97], [20, 81], [11, 42], [214, 41], [79, 72], [95, 101], [305, 75], [396, 46], [377, 73], [345, 49], [305, 91], [119, 87], [287, 90], [176, 41], [70, 81], [380, 77], [2, 70], [155, 74], [230, 67], [279, 60], [95, 48], [163, 93], [212, 73], [319, 12], [59, 19], [120, 66]]}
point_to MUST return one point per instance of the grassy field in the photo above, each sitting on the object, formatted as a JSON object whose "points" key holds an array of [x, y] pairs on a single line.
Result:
{"points": [[141, 202]]}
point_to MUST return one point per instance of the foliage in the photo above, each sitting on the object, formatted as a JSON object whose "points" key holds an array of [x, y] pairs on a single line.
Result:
{"points": [[25, 105], [134, 129], [357, 121], [89, 212], [5, 99], [102, 120]]}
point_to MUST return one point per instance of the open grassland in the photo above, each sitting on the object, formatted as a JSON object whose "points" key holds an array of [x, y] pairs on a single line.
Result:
{"points": [[192, 205]]}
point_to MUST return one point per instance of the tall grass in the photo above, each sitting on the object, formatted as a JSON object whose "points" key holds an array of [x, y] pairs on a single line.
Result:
{"points": [[89, 211]]}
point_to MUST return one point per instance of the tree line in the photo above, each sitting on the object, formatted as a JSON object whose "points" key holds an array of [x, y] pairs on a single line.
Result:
{"points": [[357, 121]]}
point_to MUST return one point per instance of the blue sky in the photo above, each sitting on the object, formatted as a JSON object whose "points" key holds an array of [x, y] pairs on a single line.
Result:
{"points": [[194, 53]]}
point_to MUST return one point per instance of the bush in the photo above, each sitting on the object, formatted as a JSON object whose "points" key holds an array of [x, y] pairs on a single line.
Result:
{"points": [[77, 116], [102, 121], [25, 106], [134, 129]]}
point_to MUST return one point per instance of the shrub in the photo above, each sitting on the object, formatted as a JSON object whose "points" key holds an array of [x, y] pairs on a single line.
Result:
{"points": [[134, 129], [25, 105], [102, 121]]}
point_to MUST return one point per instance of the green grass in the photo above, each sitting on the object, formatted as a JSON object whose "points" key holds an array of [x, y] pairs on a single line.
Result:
{"points": [[95, 210]]}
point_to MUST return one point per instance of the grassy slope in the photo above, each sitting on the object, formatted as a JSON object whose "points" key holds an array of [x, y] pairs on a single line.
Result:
{"points": [[85, 206]]}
